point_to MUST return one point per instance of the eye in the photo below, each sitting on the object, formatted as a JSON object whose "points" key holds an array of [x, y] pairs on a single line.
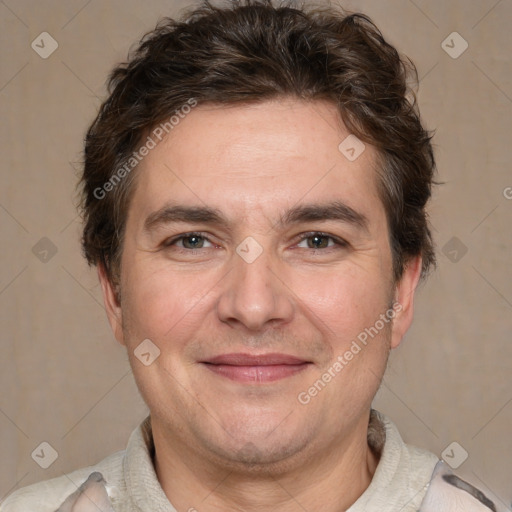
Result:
{"points": [[318, 240], [189, 241]]}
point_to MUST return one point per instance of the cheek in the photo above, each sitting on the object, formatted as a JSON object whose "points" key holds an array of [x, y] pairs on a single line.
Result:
{"points": [[159, 303], [342, 303]]}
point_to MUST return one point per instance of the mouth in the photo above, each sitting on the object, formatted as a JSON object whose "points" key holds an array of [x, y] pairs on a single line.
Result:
{"points": [[256, 368]]}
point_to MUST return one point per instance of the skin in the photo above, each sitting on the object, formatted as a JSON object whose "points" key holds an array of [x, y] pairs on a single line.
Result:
{"points": [[224, 445]]}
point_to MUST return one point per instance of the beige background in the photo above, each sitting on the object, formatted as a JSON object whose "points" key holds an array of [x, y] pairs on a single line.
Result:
{"points": [[64, 379]]}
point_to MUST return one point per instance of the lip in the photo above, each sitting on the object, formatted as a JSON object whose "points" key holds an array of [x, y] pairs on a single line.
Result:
{"points": [[255, 368], [241, 359]]}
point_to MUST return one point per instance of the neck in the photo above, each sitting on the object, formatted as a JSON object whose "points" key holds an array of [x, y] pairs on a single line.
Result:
{"points": [[334, 478]]}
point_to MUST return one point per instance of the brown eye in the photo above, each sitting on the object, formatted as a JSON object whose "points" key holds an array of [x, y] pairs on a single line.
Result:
{"points": [[318, 241]]}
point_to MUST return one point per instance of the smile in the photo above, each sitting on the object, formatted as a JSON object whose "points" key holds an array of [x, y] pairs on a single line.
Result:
{"points": [[256, 368]]}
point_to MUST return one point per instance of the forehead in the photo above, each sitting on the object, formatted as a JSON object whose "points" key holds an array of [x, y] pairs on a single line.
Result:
{"points": [[257, 157]]}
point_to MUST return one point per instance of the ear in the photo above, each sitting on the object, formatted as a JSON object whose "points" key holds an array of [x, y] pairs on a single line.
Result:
{"points": [[404, 300], [112, 305]]}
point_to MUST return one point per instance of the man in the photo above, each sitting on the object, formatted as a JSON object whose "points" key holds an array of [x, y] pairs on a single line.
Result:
{"points": [[254, 196]]}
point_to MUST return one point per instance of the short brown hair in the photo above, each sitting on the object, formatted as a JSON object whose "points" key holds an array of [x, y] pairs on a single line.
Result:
{"points": [[252, 51]]}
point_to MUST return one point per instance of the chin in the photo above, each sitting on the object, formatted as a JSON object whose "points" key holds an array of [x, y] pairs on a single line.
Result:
{"points": [[257, 460], [258, 454]]}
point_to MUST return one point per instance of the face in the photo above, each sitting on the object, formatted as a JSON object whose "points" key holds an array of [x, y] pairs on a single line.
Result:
{"points": [[256, 257]]}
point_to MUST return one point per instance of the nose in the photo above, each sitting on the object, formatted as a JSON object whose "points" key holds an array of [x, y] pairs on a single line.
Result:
{"points": [[254, 295]]}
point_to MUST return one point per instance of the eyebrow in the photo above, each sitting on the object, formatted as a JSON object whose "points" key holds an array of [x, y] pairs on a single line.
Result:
{"points": [[335, 210], [178, 213]]}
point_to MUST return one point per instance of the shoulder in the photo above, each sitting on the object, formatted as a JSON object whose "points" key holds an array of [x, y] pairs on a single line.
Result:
{"points": [[49, 495], [448, 492], [439, 488]]}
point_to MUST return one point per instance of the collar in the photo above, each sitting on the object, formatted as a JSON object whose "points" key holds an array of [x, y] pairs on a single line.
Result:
{"points": [[399, 483]]}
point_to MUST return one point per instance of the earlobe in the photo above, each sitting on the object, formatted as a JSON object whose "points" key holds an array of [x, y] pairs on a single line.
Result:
{"points": [[112, 305], [404, 300]]}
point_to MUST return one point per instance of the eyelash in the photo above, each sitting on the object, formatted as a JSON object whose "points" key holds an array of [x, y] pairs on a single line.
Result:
{"points": [[304, 236], [339, 243]]}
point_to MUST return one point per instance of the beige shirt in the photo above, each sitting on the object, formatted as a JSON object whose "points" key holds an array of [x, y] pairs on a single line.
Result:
{"points": [[400, 481]]}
